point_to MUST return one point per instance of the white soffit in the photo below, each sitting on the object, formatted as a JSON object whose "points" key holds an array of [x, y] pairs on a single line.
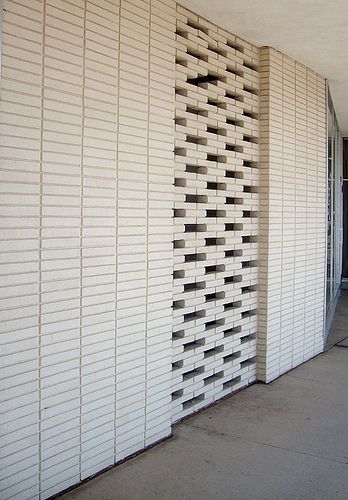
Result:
{"points": [[314, 32]]}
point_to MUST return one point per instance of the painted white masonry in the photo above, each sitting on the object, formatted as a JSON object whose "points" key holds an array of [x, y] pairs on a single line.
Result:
{"points": [[87, 109], [216, 214], [100, 348], [292, 216]]}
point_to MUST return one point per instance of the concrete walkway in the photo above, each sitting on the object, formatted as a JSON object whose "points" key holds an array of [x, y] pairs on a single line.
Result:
{"points": [[287, 440], [339, 329]]}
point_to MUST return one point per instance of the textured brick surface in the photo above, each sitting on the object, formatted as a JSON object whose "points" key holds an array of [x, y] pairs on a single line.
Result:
{"points": [[293, 214], [216, 219], [87, 108], [129, 127]]}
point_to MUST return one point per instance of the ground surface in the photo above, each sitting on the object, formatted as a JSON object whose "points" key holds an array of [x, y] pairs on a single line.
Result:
{"points": [[287, 440]]}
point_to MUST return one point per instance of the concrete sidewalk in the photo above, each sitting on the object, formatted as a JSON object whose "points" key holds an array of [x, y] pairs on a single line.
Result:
{"points": [[287, 440]]}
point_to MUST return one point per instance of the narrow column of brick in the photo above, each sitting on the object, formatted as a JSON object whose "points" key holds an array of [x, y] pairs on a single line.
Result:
{"points": [[293, 214]]}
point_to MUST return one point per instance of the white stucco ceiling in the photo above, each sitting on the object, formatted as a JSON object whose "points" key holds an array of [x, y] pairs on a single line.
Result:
{"points": [[314, 32]]}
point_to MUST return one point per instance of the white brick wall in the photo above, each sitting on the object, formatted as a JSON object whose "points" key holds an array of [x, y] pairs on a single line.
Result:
{"points": [[87, 110], [100, 350], [293, 214], [216, 214]]}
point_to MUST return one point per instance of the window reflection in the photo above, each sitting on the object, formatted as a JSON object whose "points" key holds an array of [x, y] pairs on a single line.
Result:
{"points": [[334, 157]]}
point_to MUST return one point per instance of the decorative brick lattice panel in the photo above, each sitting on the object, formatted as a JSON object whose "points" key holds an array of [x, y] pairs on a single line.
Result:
{"points": [[216, 203]]}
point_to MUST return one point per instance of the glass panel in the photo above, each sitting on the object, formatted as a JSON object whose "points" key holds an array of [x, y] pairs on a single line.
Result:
{"points": [[334, 220], [329, 214]]}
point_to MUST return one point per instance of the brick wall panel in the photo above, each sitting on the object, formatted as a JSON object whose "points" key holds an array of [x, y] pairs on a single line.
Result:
{"points": [[293, 214], [215, 214], [87, 108]]}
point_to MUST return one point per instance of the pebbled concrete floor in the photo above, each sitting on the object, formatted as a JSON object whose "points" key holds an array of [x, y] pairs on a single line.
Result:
{"points": [[287, 440]]}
